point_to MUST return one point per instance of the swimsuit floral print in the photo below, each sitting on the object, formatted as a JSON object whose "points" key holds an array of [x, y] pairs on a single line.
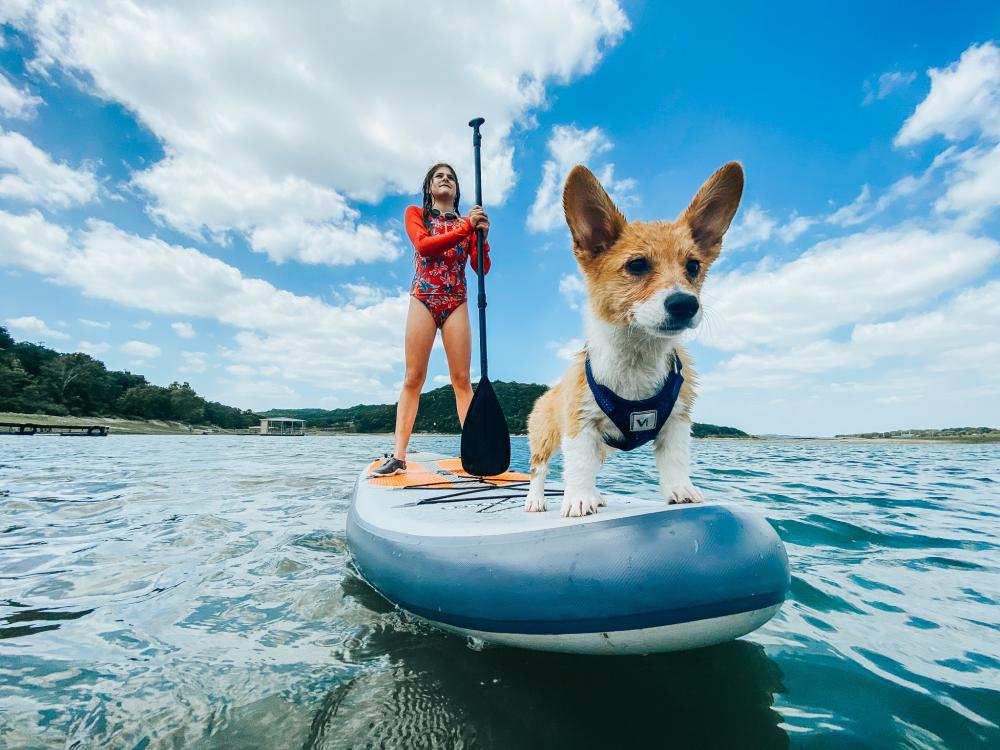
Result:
{"points": [[439, 277]]}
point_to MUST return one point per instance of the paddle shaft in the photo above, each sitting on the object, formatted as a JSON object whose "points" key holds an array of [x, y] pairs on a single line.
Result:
{"points": [[477, 139]]}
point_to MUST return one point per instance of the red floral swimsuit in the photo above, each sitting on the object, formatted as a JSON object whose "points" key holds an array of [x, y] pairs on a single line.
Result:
{"points": [[441, 252]]}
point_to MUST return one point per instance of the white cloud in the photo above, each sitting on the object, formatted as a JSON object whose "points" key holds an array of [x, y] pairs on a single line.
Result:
{"points": [[964, 98], [142, 325], [196, 362], [350, 348], [263, 394], [887, 83], [362, 294], [94, 350], [273, 104], [141, 349], [30, 175], [441, 379], [17, 103], [848, 280], [974, 189], [184, 330], [856, 212], [949, 350], [94, 323], [286, 219], [325, 243], [572, 288], [796, 226], [755, 225], [567, 350], [882, 290], [241, 370], [968, 322], [29, 325], [569, 146]]}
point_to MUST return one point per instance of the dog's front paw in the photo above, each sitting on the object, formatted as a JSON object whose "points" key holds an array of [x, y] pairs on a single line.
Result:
{"points": [[581, 502], [535, 501], [682, 493]]}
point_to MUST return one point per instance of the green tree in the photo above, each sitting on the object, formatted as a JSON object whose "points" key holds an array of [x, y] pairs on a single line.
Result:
{"points": [[33, 356], [146, 402], [77, 382], [14, 380], [185, 404]]}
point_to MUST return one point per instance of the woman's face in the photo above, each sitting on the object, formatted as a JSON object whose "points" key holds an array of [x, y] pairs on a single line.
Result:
{"points": [[443, 185]]}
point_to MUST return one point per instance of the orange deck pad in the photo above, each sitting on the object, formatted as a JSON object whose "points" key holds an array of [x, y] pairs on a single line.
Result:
{"points": [[415, 474], [454, 466]]}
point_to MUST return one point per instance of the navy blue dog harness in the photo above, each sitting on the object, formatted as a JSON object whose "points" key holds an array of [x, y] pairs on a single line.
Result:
{"points": [[639, 421]]}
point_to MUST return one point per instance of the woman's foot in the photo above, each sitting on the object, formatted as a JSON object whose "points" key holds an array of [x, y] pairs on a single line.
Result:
{"points": [[390, 467]]}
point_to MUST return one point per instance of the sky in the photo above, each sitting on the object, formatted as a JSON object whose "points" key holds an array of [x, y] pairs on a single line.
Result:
{"points": [[213, 192]]}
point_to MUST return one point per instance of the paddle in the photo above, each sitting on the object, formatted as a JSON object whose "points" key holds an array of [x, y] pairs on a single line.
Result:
{"points": [[485, 437]]}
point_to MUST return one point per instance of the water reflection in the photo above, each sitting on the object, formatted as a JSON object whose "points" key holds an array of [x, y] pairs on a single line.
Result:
{"points": [[434, 692]]}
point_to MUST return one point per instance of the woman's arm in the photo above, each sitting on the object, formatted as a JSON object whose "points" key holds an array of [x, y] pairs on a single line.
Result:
{"points": [[430, 245], [474, 255]]}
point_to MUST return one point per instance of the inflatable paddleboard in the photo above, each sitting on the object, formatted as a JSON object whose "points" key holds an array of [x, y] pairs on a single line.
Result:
{"points": [[638, 577]]}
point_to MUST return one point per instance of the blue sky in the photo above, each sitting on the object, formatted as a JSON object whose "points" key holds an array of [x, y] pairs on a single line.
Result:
{"points": [[214, 192]]}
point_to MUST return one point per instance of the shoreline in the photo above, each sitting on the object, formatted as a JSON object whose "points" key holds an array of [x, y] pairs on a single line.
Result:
{"points": [[123, 426]]}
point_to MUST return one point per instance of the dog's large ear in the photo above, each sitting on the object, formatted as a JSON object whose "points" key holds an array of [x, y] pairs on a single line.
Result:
{"points": [[594, 220], [713, 208]]}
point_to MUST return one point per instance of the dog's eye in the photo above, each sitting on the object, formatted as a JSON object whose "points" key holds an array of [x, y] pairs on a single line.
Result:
{"points": [[637, 266], [692, 267]]}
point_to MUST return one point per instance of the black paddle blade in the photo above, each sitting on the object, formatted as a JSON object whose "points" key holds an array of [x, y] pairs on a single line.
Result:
{"points": [[485, 437]]}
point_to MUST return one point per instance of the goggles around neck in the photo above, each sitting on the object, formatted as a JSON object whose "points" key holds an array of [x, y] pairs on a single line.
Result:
{"points": [[446, 215]]}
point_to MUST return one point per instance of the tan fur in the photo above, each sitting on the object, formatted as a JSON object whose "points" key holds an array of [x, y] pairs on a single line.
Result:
{"points": [[556, 413], [604, 244]]}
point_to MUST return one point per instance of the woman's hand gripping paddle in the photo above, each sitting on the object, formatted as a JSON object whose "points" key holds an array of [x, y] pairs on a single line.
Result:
{"points": [[485, 436]]}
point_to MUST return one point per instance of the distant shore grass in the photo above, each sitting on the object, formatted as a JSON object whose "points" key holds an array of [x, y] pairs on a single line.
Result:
{"points": [[120, 426], [116, 425]]}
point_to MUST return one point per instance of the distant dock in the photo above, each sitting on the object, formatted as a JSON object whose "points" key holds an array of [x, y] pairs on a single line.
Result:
{"points": [[280, 426], [67, 430]]}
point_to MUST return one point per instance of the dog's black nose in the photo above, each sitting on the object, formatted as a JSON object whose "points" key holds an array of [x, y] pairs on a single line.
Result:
{"points": [[681, 307]]}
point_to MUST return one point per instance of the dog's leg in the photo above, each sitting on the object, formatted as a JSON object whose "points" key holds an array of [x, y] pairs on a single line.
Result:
{"points": [[582, 456], [543, 440], [535, 501], [673, 460]]}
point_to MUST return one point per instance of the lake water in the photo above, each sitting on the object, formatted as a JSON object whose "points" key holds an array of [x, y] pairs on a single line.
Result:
{"points": [[197, 592]]}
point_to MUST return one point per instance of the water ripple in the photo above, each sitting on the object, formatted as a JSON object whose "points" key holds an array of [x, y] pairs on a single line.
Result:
{"points": [[197, 592]]}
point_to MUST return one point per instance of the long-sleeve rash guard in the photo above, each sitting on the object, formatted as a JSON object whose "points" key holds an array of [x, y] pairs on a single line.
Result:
{"points": [[439, 262], [442, 236]]}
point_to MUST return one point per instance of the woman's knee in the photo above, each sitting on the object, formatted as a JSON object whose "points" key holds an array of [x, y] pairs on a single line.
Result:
{"points": [[460, 381], [414, 379]]}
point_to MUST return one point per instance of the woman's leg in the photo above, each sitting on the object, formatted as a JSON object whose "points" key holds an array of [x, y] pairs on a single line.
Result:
{"points": [[420, 332], [457, 337]]}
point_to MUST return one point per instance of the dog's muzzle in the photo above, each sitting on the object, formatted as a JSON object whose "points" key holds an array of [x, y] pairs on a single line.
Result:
{"points": [[681, 310]]}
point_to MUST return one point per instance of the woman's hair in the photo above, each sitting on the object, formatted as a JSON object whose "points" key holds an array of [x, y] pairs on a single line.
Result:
{"points": [[428, 200]]}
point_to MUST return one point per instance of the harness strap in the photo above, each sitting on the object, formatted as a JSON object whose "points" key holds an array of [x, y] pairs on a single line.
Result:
{"points": [[639, 421]]}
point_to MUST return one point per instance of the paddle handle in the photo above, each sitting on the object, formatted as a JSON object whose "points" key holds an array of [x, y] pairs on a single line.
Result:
{"points": [[477, 140]]}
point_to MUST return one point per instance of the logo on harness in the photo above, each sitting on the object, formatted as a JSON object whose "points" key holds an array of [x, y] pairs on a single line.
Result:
{"points": [[643, 420]]}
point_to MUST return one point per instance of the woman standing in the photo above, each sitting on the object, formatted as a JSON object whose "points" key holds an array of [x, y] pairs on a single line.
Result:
{"points": [[443, 240]]}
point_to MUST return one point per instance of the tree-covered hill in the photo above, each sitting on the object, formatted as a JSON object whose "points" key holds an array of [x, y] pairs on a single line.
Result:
{"points": [[437, 413], [37, 380], [966, 434]]}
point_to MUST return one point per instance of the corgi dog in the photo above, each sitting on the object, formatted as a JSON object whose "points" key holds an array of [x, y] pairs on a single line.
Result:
{"points": [[633, 383]]}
